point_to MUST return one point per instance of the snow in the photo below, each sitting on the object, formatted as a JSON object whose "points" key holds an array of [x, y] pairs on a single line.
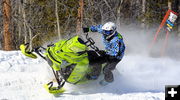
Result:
{"points": [[137, 78]]}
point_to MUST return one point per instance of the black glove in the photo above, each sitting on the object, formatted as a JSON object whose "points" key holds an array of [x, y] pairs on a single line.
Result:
{"points": [[85, 29]]}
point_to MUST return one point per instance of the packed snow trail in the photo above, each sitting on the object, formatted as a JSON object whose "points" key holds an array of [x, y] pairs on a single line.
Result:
{"points": [[136, 78]]}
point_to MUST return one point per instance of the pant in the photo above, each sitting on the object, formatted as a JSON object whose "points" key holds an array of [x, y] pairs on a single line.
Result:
{"points": [[96, 62], [107, 70]]}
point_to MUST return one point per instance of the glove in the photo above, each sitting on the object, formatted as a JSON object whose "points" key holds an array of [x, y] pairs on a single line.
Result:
{"points": [[85, 29]]}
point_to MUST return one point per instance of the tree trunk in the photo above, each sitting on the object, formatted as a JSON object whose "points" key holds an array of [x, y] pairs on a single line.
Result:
{"points": [[143, 12], [8, 44], [170, 4], [24, 23], [119, 13], [80, 17], [102, 17], [19, 24], [30, 38], [57, 19], [176, 8]]}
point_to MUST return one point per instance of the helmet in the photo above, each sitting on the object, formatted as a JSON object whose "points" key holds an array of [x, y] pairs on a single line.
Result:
{"points": [[109, 29]]}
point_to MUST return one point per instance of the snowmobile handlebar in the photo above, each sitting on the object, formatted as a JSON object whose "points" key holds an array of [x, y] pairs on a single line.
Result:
{"points": [[90, 43]]}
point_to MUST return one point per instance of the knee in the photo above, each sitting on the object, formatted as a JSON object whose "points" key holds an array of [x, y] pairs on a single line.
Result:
{"points": [[106, 70], [109, 67]]}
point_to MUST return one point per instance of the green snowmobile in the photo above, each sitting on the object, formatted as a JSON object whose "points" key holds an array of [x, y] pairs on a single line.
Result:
{"points": [[68, 60]]}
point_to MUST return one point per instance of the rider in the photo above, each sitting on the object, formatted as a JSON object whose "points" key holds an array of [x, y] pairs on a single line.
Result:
{"points": [[114, 49]]}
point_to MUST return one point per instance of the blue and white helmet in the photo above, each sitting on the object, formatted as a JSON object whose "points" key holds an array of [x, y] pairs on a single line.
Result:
{"points": [[109, 29]]}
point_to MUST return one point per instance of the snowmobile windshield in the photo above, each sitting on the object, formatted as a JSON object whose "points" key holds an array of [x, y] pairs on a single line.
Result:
{"points": [[75, 45]]}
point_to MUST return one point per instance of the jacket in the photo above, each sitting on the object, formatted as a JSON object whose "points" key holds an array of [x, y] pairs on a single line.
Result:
{"points": [[115, 47]]}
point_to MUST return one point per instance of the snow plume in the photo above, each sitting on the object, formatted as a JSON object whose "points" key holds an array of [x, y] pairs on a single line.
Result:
{"points": [[143, 69], [138, 41]]}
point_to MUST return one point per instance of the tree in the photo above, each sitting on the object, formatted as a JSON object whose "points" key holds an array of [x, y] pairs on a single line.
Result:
{"points": [[143, 12], [118, 13], [176, 8], [8, 44], [80, 16], [178, 20], [57, 19], [169, 4]]}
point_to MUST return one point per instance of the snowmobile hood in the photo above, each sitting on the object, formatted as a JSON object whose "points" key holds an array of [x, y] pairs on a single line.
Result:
{"points": [[68, 51]]}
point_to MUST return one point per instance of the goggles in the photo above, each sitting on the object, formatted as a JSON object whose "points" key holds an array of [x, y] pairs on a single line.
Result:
{"points": [[107, 32]]}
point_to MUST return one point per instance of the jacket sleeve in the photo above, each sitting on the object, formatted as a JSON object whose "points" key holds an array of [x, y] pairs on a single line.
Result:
{"points": [[122, 46], [96, 28], [121, 49]]}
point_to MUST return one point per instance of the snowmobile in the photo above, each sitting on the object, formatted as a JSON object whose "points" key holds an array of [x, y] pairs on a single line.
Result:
{"points": [[68, 60]]}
